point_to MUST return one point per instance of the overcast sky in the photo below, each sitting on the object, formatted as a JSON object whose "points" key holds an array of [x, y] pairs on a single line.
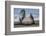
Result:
{"points": [[34, 12]]}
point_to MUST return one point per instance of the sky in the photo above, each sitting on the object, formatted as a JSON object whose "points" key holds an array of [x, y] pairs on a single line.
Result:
{"points": [[34, 12]]}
